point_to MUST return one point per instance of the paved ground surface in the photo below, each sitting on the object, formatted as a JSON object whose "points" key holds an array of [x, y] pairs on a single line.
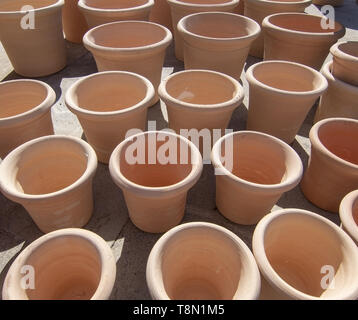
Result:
{"points": [[110, 218]]}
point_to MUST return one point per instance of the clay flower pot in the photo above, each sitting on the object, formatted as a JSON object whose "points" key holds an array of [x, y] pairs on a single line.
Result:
{"points": [[335, 3], [68, 264], [98, 12], [155, 170], [134, 46], [202, 261], [25, 112], [348, 212], [74, 23], [217, 41], [332, 170], [299, 37], [340, 99], [281, 95], [38, 51], [260, 9], [304, 256], [160, 13], [182, 8], [51, 177], [253, 170], [108, 104], [345, 61]]}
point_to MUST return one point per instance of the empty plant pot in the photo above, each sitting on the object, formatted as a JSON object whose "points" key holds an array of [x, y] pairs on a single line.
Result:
{"points": [[98, 12], [67, 264], [155, 170], [281, 95], [182, 8], [134, 46], [109, 104], [160, 13], [304, 256], [202, 261], [33, 40], [25, 112], [300, 37], [332, 170], [348, 212], [345, 61], [217, 41], [260, 9], [51, 177], [340, 99], [253, 170], [74, 23]]}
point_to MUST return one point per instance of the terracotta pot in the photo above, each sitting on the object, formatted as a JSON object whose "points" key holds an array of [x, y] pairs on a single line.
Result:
{"points": [[253, 170], [133, 46], [332, 171], [74, 23], [51, 177], [299, 37], [160, 13], [25, 112], [345, 61], [217, 41], [202, 261], [240, 9], [259, 9], [340, 100], [33, 52], [348, 212], [335, 3], [108, 104], [98, 12], [155, 184], [281, 95], [68, 264], [304, 256], [182, 8]]}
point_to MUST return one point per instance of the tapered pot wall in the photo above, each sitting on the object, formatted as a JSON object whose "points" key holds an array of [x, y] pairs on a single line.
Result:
{"points": [[160, 13], [348, 213], [74, 23]]}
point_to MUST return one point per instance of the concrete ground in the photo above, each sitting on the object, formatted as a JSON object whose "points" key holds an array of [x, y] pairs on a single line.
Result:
{"points": [[110, 218]]}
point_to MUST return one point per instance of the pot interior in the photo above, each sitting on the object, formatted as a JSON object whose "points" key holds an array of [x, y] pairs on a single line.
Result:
{"points": [[66, 268], [202, 88], [355, 211], [114, 4], [148, 161], [350, 48], [205, 2], [201, 264], [19, 97], [16, 5]]}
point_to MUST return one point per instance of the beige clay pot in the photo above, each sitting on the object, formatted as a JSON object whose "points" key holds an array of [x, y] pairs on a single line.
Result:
{"points": [[181, 8], [98, 12], [217, 41], [348, 213], [154, 183], [299, 37], [281, 95], [108, 104], [25, 112], [253, 170], [202, 261], [68, 264], [74, 23], [51, 177], [340, 99], [160, 14], [134, 46], [33, 52], [334, 3], [332, 170], [304, 256], [260, 9]]}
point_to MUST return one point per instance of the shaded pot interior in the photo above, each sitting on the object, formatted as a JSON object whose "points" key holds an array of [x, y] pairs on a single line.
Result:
{"points": [[205, 2], [350, 48], [114, 4], [16, 5]]}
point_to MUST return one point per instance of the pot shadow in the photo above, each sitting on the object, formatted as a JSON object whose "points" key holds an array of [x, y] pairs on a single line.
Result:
{"points": [[239, 118], [251, 60], [171, 61]]}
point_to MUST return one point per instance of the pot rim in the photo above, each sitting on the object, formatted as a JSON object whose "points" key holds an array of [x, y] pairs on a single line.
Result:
{"points": [[108, 264], [57, 4], [346, 214], [252, 80], [316, 142], [85, 7], [288, 183], [236, 100], [38, 110], [268, 271], [14, 156], [186, 183], [153, 270], [188, 5], [75, 108], [339, 54], [270, 2]]}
